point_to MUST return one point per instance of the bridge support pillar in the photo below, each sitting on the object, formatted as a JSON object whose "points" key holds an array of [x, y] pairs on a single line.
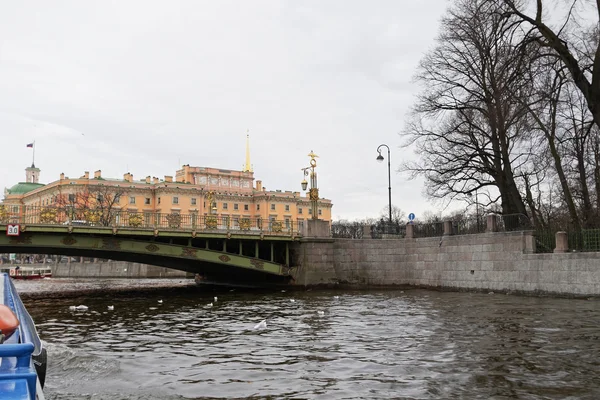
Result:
{"points": [[272, 252], [256, 249], [241, 252], [287, 254], [317, 228]]}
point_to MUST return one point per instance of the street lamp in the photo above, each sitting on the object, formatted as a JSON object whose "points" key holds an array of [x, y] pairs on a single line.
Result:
{"points": [[380, 159], [314, 191], [476, 207]]}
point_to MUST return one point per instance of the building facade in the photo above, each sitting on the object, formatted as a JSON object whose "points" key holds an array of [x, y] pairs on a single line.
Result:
{"points": [[230, 195]]}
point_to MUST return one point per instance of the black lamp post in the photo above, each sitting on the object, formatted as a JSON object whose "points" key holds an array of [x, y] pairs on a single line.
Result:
{"points": [[476, 207], [380, 159]]}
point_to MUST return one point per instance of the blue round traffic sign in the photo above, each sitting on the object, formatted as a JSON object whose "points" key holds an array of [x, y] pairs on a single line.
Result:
{"points": [[411, 216]]}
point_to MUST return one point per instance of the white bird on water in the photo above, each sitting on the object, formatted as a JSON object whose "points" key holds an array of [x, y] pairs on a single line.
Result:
{"points": [[215, 299], [261, 325], [160, 302], [110, 308], [81, 308], [209, 305], [321, 313], [292, 301]]}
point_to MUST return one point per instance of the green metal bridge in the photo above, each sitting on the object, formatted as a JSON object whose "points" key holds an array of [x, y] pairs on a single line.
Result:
{"points": [[245, 251]]}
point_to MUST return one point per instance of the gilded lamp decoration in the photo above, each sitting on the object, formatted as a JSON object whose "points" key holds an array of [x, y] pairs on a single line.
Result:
{"points": [[313, 193]]}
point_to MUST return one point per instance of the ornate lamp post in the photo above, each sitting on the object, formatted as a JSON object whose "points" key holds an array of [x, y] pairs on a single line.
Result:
{"points": [[212, 206], [380, 159], [314, 191]]}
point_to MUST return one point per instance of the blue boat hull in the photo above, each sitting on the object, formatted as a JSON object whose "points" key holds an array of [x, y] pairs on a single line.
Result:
{"points": [[22, 356]]}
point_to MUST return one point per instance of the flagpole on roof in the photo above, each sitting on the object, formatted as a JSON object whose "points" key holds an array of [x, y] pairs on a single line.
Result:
{"points": [[33, 160]]}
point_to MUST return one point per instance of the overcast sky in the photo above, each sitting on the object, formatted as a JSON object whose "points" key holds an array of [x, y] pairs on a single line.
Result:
{"points": [[146, 86]]}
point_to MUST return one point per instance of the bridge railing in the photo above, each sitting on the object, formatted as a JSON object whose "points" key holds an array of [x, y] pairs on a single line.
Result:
{"points": [[146, 220]]}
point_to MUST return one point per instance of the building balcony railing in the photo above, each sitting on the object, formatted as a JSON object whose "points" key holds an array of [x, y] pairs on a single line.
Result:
{"points": [[85, 217]]}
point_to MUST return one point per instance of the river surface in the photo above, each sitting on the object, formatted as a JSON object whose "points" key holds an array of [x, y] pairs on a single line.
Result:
{"points": [[411, 344]]}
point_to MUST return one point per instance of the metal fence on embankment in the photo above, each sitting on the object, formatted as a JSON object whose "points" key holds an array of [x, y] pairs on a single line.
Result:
{"points": [[583, 240], [459, 226], [545, 237]]}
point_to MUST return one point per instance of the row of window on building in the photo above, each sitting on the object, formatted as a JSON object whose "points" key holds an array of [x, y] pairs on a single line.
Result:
{"points": [[175, 200]]}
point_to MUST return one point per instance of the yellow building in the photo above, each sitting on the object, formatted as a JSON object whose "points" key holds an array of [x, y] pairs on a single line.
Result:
{"points": [[227, 194]]}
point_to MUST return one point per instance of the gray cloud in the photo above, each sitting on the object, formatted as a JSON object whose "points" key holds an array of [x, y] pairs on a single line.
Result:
{"points": [[152, 85]]}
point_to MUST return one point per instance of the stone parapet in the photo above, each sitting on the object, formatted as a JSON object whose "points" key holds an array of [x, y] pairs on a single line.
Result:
{"points": [[562, 242]]}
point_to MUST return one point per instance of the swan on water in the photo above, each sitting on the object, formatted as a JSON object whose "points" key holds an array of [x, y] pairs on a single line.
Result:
{"points": [[292, 301], [160, 302], [215, 299], [336, 297], [110, 308], [261, 325], [79, 308], [209, 305], [321, 313]]}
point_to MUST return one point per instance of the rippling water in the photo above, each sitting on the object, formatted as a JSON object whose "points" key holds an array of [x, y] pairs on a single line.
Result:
{"points": [[414, 345]]}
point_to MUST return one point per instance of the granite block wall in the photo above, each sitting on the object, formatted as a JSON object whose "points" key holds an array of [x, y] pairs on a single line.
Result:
{"points": [[495, 261], [113, 269]]}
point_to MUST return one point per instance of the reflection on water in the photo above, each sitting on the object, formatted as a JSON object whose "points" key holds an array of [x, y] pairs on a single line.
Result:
{"points": [[413, 344]]}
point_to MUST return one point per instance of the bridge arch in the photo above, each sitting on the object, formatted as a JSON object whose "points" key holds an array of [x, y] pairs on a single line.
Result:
{"points": [[171, 252]]}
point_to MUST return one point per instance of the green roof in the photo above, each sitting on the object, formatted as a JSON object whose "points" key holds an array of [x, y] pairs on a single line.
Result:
{"points": [[24, 187]]}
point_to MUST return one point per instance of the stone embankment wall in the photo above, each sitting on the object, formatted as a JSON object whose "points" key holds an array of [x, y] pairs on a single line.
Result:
{"points": [[113, 269], [494, 261]]}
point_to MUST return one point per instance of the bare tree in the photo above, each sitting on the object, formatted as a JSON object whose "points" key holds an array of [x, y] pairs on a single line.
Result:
{"points": [[575, 44], [469, 132], [106, 205], [431, 217], [97, 204], [546, 104], [397, 214], [72, 203]]}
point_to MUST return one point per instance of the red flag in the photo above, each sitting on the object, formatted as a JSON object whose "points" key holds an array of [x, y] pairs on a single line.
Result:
{"points": [[30, 145]]}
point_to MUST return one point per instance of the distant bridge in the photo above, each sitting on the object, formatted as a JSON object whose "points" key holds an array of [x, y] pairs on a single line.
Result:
{"points": [[240, 251]]}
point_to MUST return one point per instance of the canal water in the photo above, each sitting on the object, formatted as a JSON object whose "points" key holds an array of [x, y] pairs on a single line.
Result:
{"points": [[411, 344]]}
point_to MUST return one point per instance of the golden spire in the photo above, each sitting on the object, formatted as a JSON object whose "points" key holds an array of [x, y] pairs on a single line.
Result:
{"points": [[248, 166]]}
